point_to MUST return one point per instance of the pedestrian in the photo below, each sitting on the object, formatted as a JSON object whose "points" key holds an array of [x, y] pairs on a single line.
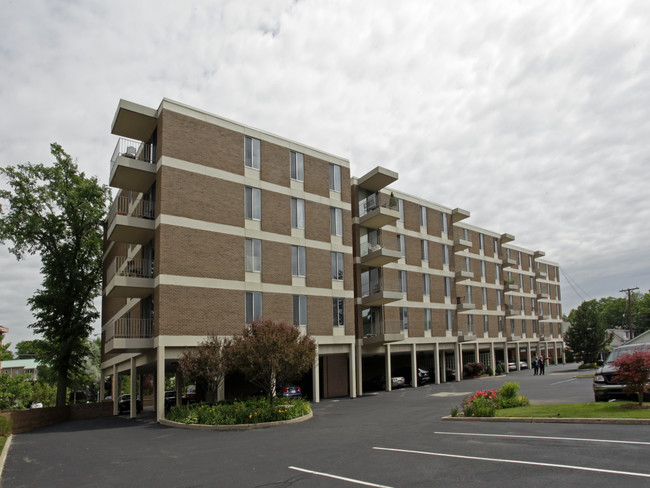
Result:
{"points": [[541, 365], [535, 366]]}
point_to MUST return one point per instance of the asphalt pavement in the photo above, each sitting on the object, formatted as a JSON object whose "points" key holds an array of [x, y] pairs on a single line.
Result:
{"points": [[387, 439]]}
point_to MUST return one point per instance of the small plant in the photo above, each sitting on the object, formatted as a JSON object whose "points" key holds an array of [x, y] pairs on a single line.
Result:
{"points": [[488, 370], [473, 369], [499, 369], [480, 404], [454, 411], [508, 397]]}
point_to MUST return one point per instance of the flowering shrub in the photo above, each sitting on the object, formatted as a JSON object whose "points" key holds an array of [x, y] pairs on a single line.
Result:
{"points": [[252, 411], [471, 369], [507, 396], [484, 403]]}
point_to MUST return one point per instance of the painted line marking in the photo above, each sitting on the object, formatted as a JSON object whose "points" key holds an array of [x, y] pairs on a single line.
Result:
{"points": [[445, 394], [565, 381], [514, 461], [606, 441], [342, 478]]}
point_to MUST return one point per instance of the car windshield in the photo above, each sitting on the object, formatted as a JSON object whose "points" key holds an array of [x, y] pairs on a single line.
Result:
{"points": [[621, 351]]}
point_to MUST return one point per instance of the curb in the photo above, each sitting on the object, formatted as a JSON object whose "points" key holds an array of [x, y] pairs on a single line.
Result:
{"points": [[551, 420], [264, 425], [3, 455]]}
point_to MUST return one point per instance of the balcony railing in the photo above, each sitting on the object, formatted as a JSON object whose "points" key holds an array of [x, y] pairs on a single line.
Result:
{"points": [[128, 328], [144, 209], [133, 150], [378, 286], [375, 200], [130, 267]]}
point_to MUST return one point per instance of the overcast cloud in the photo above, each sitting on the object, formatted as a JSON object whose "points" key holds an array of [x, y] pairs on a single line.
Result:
{"points": [[534, 116]]}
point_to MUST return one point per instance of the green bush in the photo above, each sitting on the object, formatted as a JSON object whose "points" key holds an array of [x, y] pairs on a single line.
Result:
{"points": [[588, 366], [509, 389], [507, 396], [6, 425], [488, 370], [499, 369], [251, 411]]}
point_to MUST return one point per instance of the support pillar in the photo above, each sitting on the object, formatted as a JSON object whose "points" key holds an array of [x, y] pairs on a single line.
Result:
{"points": [[459, 361], [179, 387], [352, 377], [476, 353], [505, 358], [529, 356], [438, 368], [555, 352], [115, 382], [444, 367], [563, 355], [389, 375], [133, 390], [315, 376], [159, 397], [359, 369], [102, 379], [414, 366], [518, 357], [493, 362]]}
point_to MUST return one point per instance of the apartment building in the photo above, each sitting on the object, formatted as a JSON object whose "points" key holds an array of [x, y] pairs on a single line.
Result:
{"points": [[215, 224]]}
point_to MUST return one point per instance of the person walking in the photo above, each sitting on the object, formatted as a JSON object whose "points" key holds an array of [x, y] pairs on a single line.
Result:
{"points": [[541, 365], [535, 367]]}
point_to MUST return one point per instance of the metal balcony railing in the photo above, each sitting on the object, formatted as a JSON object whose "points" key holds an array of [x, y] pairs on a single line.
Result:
{"points": [[129, 267], [371, 202], [378, 286], [132, 149], [128, 328], [122, 205]]}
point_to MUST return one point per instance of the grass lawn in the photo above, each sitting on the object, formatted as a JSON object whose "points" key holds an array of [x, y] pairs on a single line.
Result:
{"points": [[3, 440], [580, 410]]}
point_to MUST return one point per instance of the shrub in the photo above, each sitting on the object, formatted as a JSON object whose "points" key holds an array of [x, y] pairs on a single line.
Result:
{"points": [[472, 369], [509, 389], [588, 366], [454, 411], [480, 404], [499, 369], [488, 370], [6, 425], [507, 396]]}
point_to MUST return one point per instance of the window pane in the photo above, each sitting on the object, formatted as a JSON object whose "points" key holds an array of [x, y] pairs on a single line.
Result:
{"points": [[335, 177], [336, 221], [297, 166], [252, 152]]}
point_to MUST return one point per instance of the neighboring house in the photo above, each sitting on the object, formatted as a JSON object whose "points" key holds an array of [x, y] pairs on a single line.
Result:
{"points": [[15, 367], [216, 224], [643, 338], [618, 337]]}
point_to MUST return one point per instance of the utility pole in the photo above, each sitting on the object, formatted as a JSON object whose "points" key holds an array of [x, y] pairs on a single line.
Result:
{"points": [[629, 308]]}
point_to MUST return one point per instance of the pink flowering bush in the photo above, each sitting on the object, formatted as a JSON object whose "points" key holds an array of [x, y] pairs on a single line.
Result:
{"points": [[480, 404]]}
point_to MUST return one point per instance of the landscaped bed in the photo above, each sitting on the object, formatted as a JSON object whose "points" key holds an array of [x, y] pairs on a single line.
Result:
{"points": [[615, 410], [251, 411]]}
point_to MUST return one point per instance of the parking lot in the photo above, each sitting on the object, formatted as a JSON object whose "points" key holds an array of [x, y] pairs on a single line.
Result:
{"points": [[394, 439]]}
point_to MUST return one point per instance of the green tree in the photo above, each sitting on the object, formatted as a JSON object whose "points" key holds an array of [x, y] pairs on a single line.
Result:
{"points": [[15, 391], [29, 348], [5, 353], [206, 364], [587, 336], [633, 371], [613, 312], [271, 354], [57, 212]]}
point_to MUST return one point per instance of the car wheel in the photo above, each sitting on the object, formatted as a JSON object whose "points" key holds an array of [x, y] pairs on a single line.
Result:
{"points": [[600, 398]]}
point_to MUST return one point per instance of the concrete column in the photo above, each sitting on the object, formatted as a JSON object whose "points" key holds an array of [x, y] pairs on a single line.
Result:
{"points": [[518, 357], [115, 387], [505, 358], [101, 385], [389, 375], [154, 388], [563, 355], [221, 390], [359, 369], [444, 367], [133, 390], [159, 397], [529, 356], [315, 377], [459, 361], [353, 372], [555, 352], [476, 353], [414, 366], [493, 361], [438, 365]]}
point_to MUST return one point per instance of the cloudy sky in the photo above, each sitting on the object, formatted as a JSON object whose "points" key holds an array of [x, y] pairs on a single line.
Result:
{"points": [[532, 115]]}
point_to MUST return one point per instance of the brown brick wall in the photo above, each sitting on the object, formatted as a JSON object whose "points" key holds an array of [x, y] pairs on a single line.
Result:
{"points": [[319, 268], [317, 221], [276, 263], [276, 213], [411, 216], [275, 163]]}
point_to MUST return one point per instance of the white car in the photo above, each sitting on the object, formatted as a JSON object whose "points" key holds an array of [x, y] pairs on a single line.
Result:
{"points": [[512, 365]]}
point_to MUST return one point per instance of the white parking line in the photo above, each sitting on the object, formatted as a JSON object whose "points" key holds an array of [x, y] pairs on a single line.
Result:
{"points": [[565, 381], [514, 461], [342, 478], [606, 441]]}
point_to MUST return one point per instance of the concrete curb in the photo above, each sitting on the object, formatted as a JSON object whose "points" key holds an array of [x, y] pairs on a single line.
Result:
{"points": [[3, 455], [264, 425], [551, 420]]}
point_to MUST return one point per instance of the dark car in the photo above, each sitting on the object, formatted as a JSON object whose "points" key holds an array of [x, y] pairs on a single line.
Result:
{"points": [[405, 371], [604, 385], [291, 391], [379, 383], [125, 404], [170, 399]]}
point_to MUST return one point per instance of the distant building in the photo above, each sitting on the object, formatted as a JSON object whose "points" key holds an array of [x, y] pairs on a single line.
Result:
{"points": [[14, 367], [618, 337]]}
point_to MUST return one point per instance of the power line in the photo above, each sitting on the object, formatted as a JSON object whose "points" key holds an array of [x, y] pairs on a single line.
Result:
{"points": [[629, 308], [574, 286]]}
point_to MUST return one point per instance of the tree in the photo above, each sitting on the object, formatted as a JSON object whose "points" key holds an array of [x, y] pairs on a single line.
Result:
{"points": [[29, 348], [587, 336], [206, 363], [271, 353], [57, 212], [633, 371], [15, 391], [5, 353]]}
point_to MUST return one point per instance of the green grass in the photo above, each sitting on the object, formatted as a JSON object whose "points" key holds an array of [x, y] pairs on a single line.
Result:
{"points": [[589, 375], [579, 410], [3, 441]]}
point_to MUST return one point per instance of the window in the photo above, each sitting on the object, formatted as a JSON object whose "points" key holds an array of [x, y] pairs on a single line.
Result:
{"points": [[523, 308], [541, 327], [443, 223], [486, 324], [468, 264], [449, 320], [401, 278], [484, 293], [253, 203], [445, 254], [336, 221], [337, 266], [253, 306], [534, 326], [298, 261], [299, 310], [400, 206], [427, 319], [512, 326], [426, 285], [500, 324], [252, 152], [297, 166], [466, 234], [470, 324], [468, 294], [481, 242], [425, 250], [523, 327], [497, 273], [423, 216], [532, 305], [447, 285], [483, 269], [557, 308], [498, 298], [495, 243], [530, 262], [532, 284], [519, 258], [404, 318], [401, 244], [338, 312], [297, 213], [335, 177], [253, 258]]}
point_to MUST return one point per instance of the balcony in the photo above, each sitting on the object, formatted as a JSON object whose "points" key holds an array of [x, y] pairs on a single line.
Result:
{"points": [[511, 311], [129, 278], [383, 332], [128, 335], [375, 255], [459, 214], [381, 292], [133, 165], [376, 211], [377, 179], [461, 245], [511, 285], [132, 223], [462, 305], [464, 275], [507, 238], [509, 262], [544, 317], [542, 295], [540, 274]]}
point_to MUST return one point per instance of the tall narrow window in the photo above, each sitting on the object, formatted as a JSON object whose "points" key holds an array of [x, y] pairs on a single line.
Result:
{"points": [[532, 305], [297, 213], [468, 264], [481, 242], [530, 262], [486, 324], [445, 254], [400, 206], [404, 318], [447, 286], [335, 177], [519, 258], [484, 296], [426, 285], [468, 294], [425, 250], [252, 152], [401, 244], [523, 308], [534, 326], [297, 166], [423, 216], [498, 298], [298, 261], [497, 274], [449, 320], [483, 269], [299, 310], [443, 223], [338, 312], [532, 285], [523, 327], [337, 266], [512, 326], [495, 243], [470, 324], [253, 203], [336, 221], [253, 255], [427, 319], [253, 306], [401, 278], [500, 323]]}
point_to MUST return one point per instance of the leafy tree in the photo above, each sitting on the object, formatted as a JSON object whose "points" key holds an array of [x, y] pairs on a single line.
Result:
{"points": [[271, 353], [206, 363], [29, 348], [57, 212], [613, 312], [15, 391], [587, 336], [5, 353], [633, 370]]}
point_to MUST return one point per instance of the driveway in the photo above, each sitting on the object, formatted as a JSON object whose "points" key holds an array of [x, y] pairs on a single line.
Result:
{"points": [[394, 439]]}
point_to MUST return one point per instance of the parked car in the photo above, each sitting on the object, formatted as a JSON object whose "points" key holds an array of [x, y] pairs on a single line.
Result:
{"points": [[604, 385], [512, 365], [190, 395], [379, 383], [405, 371], [291, 391], [450, 374], [125, 404]]}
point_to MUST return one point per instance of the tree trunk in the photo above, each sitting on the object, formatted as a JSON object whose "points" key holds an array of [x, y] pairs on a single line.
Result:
{"points": [[61, 389]]}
